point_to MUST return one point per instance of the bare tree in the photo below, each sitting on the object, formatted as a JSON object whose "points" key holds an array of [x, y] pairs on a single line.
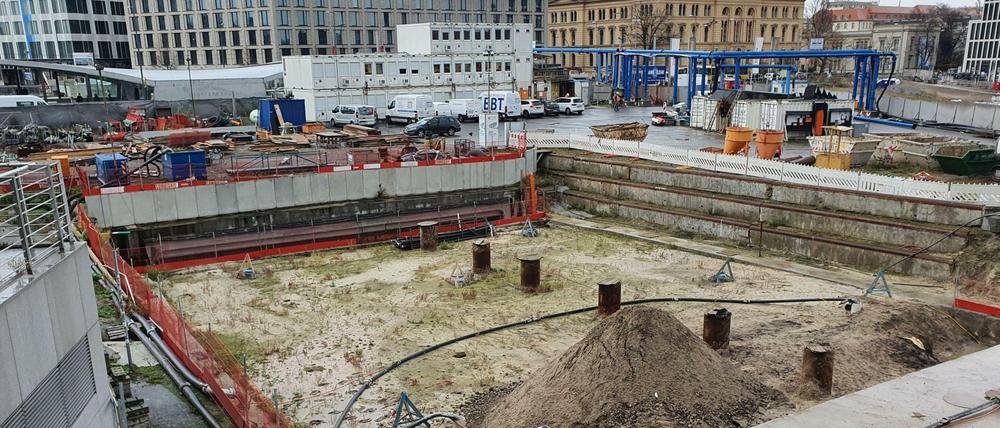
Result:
{"points": [[649, 28], [951, 42], [819, 24]]}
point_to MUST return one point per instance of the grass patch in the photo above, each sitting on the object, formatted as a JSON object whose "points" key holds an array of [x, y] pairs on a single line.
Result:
{"points": [[106, 309]]}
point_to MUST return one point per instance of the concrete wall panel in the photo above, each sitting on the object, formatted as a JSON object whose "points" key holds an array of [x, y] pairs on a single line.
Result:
{"points": [[946, 112], [227, 198], [187, 202], [208, 204], [387, 179], [983, 116], [284, 191], [121, 208], [418, 180], [165, 202], [928, 110], [142, 209], [478, 176], [319, 188], [496, 174], [451, 177], [895, 106], [265, 194], [30, 326], [62, 289], [87, 297], [337, 184], [369, 181], [963, 115], [355, 185], [404, 184], [434, 174], [911, 108], [10, 395], [246, 196]]}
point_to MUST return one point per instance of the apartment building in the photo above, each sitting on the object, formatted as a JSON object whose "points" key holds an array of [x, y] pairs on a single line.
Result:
{"points": [[982, 46], [700, 25], [218, 33], [55, 30]]}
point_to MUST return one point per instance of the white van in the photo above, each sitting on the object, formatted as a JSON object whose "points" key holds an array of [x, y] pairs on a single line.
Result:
{"points": [[409, 108], [21, 101], [508, 104], [463, 109], [353, 115], [441, 108]]}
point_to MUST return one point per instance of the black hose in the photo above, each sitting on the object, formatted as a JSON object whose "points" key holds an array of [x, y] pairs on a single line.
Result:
{"points": [[182, 384], [946, 236], [167, 352], [948, 420], [888, 82], [368, 383]]}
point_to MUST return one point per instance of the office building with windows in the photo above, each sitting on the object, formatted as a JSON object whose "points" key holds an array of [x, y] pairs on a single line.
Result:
{"points": [[218, 33], [982, 45], [55, 30]]}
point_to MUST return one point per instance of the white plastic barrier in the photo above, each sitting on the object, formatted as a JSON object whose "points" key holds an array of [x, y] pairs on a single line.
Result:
{"points": [[985, 194]]}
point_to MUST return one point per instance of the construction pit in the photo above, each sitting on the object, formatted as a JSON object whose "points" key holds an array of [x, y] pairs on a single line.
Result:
{"points": [[312, 327]]}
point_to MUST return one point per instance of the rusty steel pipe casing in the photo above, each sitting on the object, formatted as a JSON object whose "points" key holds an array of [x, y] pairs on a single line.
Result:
{"points": [[428, 235], [817, 367], [531, 272], [609, 297], [715, 330], [481, 257]]}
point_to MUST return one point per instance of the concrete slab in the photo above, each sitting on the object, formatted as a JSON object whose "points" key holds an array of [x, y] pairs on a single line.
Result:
{"points": [[404, 183], [165, 201], [418, 180], [265, 194], [208, 205], [284, 191], [9, 397], [187, 202], [62, 290], [913, 400], [983, 115], [142, 210], [246, 195], [370, 182], [337, 187], [387, 179], [434, 178], [30, 326], [928, 110], [355, 184], [227, 198], [140, 355]]}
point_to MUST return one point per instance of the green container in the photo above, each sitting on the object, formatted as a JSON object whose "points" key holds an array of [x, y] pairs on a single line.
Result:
{"points": [[964, 160]]}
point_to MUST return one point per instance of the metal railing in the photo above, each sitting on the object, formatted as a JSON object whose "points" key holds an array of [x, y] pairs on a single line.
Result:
{"points": [[34, 216]]}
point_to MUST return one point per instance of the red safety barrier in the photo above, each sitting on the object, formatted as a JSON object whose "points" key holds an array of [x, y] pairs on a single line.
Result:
{"points": [[202, 353], [977, 307]]}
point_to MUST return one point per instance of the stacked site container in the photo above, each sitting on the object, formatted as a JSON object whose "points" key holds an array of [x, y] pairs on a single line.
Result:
{"points": [[184, 165]]}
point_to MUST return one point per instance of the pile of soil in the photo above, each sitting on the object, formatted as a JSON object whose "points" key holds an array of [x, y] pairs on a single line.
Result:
{"points": [[639, 367]]}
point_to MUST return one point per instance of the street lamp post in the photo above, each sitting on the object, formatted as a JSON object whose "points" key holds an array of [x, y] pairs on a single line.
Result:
{"points": [[142, 75], [104, 97], [194, 113]]}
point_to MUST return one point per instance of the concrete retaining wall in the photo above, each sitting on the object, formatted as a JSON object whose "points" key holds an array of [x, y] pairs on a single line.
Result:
{"points": [[156, 206], [963, 113], [773, 240], [41, 319], [903, 208], [772, 215]]}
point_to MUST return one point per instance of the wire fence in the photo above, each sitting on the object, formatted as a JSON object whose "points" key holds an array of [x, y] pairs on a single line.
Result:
{"points": [[201, 352]]}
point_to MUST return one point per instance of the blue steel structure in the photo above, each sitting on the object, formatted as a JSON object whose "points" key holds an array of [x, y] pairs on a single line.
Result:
{"points": [[624, 69]]}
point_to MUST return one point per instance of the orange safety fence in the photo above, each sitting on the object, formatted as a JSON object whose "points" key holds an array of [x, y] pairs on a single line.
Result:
{"points": [[202, 353]]}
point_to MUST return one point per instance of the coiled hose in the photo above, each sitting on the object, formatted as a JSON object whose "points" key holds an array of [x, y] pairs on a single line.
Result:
{"points": [[368, 383]]}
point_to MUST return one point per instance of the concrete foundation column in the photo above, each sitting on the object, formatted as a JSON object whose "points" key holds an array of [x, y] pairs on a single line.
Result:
{"points": [[817, 367], [609, 297], [481, 257], [715, 330], [428, 235], [531, 267]]}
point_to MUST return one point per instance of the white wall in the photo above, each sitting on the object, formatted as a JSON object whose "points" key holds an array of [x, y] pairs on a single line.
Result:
{"points": [[153, 206]]}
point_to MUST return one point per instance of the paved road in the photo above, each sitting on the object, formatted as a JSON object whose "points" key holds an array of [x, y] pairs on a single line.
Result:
{"points": [[671, 136]]}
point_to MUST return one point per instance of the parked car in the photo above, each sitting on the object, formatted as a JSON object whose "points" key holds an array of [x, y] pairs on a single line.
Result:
{"points": [[506, 104], [353, 115], [464, 109], [883, 83], [570, 105], [436, 125], [551, 108], [532, 108], [21, 101]]}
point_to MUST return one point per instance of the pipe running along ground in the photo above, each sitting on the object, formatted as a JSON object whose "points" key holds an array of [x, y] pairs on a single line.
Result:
{"points": [[368, 383], [162, 346], [184, 386]]}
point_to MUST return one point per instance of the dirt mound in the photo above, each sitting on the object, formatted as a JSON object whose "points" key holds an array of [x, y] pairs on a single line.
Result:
{"points": [[638, 367]]}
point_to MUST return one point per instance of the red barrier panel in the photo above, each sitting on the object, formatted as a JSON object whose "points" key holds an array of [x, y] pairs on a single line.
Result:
{"points": [[204, 355], [977, 307]]}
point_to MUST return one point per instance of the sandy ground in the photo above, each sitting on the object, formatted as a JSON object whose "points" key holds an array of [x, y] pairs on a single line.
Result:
{"points": [[312, 326]]}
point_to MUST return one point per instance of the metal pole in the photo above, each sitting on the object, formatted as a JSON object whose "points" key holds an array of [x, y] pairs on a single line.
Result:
{"points": [[22, 222], [194, 113], [142, 74], [675, 78], [55, 208]]}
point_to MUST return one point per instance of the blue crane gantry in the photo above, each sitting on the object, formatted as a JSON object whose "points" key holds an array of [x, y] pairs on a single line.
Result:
{"points": [[625, 69]]}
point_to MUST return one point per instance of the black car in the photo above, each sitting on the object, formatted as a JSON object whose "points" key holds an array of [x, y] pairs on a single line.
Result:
{"points": [[552, 109], [435, 125]]}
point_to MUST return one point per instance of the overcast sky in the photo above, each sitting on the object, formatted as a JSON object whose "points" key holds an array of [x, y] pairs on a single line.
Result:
{"points": [[916, 2]]}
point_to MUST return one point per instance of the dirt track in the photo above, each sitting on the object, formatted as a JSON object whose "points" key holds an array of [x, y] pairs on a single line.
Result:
{"points": [[312, 326]]}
